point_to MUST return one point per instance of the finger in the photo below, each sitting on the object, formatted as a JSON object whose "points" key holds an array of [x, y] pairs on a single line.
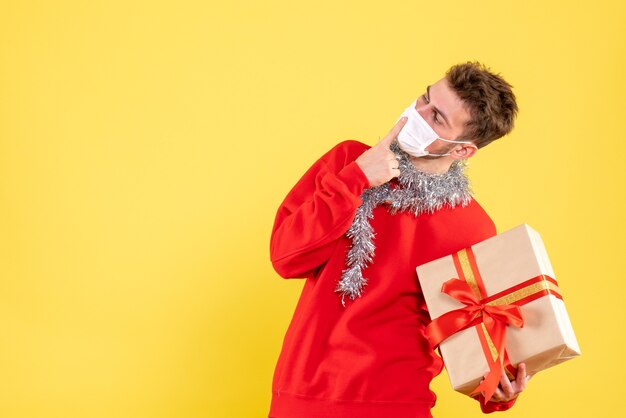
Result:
{"points": [[520, 379], [393, 133], [505, 384], [524, 383], [498, 395]]}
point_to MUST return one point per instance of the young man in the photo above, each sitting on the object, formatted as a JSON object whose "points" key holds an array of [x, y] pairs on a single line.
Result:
{"points": [[355, 226]]}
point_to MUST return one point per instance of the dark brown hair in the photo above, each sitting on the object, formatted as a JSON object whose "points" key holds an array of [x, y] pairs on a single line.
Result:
{"points": [[487, 97]]}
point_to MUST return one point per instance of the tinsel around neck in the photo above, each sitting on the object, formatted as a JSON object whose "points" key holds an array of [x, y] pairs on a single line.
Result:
{"points": [[415, 191]]}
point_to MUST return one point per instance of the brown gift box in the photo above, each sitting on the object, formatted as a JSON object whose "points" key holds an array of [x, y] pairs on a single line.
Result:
{"points": [[503, 261]]}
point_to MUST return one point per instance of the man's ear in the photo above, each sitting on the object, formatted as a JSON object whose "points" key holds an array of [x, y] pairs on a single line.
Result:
{"points": [[464, 151]]}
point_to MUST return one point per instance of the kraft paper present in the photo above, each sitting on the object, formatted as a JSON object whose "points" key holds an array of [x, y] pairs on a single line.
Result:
{"points": [[505, 264]]}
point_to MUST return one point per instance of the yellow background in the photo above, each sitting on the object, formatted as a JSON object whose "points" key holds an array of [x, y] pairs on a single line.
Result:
{"points": [[146, 145]]}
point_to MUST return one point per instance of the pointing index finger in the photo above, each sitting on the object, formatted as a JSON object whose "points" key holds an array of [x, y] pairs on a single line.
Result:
{"points": [[393, 133]]}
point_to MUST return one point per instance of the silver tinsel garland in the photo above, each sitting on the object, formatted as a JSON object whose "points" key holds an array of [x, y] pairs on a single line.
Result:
{"points": [[417, 192]]}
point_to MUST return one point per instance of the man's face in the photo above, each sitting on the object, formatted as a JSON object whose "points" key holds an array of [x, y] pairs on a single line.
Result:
{"points": [[444, 112]]}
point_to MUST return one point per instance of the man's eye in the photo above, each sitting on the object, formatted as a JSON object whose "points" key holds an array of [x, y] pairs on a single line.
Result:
{"points": [[435, 117]]}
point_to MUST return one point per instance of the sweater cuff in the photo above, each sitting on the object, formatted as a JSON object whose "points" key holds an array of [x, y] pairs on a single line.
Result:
{"points": [[495, 406], [354, 177]]}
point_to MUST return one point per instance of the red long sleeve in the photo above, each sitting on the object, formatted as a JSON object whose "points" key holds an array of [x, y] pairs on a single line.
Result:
{"points": [[316, 212]]}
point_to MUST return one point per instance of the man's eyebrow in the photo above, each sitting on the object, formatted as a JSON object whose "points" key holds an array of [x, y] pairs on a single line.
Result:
{"points": [[436, 109]]}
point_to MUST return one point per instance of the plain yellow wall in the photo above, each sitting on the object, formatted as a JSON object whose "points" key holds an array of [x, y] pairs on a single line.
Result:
{"points": [[146, 145]]}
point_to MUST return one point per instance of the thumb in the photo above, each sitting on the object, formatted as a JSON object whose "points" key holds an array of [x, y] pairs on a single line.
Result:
{"points": [[393, 133]]}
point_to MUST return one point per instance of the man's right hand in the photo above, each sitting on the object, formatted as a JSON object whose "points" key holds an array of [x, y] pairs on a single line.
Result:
{"points": [[379, 163]]}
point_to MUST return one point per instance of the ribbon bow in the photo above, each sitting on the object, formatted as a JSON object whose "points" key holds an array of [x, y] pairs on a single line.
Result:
{"points": [[494, 317]]}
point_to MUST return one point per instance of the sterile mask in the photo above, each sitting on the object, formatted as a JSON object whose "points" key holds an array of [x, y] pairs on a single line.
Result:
{"points": [[417, 134]]}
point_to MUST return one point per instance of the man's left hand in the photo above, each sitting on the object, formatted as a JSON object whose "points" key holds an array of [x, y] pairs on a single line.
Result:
{"points": [[510, 389]]}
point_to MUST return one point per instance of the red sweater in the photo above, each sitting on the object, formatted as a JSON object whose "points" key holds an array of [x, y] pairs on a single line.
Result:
{"points": [[369, 359]]}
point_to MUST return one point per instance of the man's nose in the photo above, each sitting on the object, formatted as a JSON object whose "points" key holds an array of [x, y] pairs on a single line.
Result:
{"points": [[423, 109]]}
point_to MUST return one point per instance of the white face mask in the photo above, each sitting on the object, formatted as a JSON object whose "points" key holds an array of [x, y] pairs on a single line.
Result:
{"points": [[417, 134]]}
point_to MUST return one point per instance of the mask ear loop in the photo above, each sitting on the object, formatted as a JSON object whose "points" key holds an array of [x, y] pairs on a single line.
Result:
{"points": [[447, 140], [435, 155]]}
